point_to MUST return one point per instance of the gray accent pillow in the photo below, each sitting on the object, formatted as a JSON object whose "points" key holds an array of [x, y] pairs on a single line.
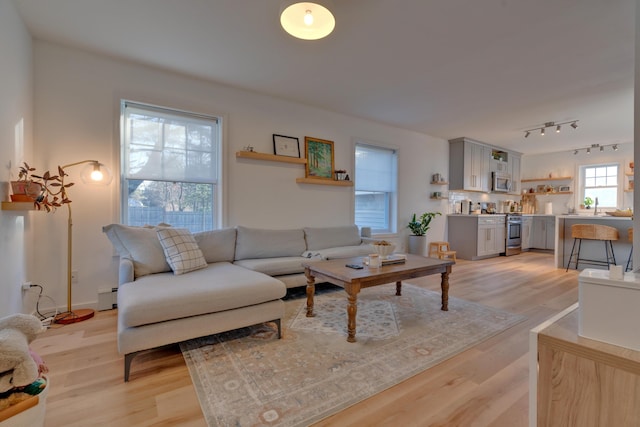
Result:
{"points": [[262, 243], [141, 245], [330, 237]]}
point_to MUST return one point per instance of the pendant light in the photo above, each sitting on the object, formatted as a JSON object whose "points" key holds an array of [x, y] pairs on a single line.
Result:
{"points": [[307, 20]]}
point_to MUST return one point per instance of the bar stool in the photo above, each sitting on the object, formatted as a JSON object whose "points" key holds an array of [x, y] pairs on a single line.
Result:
{"points": [[630, 234], [604, 233]]}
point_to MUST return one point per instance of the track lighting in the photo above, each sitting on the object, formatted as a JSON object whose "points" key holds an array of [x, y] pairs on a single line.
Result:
{"points": [[558, 126], [601, 148]]}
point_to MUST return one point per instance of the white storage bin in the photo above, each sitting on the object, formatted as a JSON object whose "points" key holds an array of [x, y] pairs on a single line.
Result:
{"points": [[609, 309]]}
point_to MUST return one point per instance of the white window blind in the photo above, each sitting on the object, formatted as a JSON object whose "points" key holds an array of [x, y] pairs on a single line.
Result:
{"points": [[375, 187]]}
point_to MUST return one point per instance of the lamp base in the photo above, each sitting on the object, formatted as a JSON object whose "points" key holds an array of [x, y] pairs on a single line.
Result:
{"points": [[74, 316]]}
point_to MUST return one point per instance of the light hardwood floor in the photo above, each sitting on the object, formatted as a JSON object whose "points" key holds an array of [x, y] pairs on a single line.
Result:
{"points": [[486, 385]]}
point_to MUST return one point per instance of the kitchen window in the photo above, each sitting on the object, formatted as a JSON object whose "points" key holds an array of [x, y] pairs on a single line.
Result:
{"points": [[602, 182], [376, 175], [170, 167]]}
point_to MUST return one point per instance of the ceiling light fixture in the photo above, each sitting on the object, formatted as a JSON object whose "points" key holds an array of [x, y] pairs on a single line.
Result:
{"points": [[307, 20], [600, 148], [615, 147], [588, 150], [551, 124], [575, 152]]}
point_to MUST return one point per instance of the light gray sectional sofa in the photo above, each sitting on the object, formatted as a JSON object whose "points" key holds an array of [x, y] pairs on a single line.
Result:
{"points": [[244, 274]]}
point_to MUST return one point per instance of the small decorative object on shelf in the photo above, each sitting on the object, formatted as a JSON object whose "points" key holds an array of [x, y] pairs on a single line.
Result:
{"points": [[340, 174], [248, 148], [286, 146]]}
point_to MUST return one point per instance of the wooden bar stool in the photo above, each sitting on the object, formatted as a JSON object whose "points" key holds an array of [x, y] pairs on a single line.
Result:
{"points": [[441, 250], [630, 234], [604, 233]]}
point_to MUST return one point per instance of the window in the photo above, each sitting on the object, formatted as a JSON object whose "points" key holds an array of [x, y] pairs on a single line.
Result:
{"points": [[170, 167], [375, 187], [601, 181]]}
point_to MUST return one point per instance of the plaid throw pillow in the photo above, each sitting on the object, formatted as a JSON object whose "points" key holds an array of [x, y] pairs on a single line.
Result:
{"points": [[181, 250]]}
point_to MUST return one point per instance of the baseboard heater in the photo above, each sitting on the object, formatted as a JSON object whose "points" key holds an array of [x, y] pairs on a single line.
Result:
{"points": [[107, 299]]}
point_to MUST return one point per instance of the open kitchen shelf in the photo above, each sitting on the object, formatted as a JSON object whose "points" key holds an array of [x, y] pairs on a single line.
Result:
{"points": [[317, 181], [18, 206], [555, 178], [552, 193]]}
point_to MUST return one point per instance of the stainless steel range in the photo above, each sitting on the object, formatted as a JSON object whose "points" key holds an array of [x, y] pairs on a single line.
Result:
{"points": [[513, 234]]}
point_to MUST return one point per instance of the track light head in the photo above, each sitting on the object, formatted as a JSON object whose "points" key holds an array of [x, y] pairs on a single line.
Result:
{"points": [[542, 131], [558, 129], [574, 125], [589, 150], [526, 134], [615, 147], [575, 152]]}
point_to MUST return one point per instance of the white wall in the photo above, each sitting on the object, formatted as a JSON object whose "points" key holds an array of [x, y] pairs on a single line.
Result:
{"points": [[568, 164], [15, 139], [77, 98]]}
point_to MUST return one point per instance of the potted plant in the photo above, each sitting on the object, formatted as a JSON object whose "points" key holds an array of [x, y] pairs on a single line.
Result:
{"points": [[419, 227], [588, 201], [25, 189]]}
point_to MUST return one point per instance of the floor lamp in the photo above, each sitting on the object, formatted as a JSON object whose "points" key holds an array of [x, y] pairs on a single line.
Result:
{"points": [[93, 173]]}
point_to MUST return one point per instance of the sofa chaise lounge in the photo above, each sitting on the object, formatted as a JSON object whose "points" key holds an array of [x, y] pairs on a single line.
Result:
{"points": [[239, 282]]}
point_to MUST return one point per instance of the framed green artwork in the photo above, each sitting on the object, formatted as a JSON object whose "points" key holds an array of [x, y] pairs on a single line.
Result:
{"points": [[319, 153]]}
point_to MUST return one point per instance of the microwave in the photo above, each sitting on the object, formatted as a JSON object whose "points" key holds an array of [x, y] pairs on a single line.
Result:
{"points": [[501, 182]]}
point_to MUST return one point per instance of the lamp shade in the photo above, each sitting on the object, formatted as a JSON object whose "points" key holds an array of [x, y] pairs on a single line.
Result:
{"points": [[96, 173], [307, 20]]}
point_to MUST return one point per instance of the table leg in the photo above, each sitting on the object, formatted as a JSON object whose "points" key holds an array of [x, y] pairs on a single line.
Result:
{"points": [[352, 310], [398, 288], [444, 285], [311, 290]]}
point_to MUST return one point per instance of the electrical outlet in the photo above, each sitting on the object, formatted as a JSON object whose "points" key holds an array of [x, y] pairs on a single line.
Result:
{"points": [[26, 286], [74, 276]]}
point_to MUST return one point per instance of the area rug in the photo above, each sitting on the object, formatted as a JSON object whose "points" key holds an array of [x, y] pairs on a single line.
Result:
{"points": [[249, 377]]}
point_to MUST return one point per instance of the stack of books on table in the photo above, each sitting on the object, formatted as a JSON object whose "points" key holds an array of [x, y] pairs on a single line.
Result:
{"points": [[395, 259]]}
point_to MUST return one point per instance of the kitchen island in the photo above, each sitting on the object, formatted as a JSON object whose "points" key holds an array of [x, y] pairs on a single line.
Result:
{"points": [[591, 250]]}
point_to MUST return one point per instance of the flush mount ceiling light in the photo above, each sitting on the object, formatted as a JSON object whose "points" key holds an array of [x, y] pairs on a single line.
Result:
{"points": [[558, 126], [307, 20]]}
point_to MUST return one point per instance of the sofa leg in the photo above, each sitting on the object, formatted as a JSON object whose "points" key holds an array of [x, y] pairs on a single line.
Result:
{"points": [[128, 358], [278, 323]]}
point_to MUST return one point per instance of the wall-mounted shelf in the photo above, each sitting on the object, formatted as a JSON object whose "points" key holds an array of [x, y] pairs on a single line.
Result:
{"points": [[317, 181], [555, 178], [270, 157], [439, 183], [443, 197], [553, 193], [18, 206]]}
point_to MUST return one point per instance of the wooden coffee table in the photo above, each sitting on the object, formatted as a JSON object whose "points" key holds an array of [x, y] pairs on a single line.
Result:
{"points": [[335, 271]]}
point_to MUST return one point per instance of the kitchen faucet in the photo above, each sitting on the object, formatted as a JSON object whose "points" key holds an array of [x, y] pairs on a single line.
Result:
{"points": [[595, 211]]}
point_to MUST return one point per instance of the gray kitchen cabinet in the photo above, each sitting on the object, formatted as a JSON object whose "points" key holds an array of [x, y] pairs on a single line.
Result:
{"points": [[543, 232], [527, 224], [514, 166], [469, 165], [476, 236]]}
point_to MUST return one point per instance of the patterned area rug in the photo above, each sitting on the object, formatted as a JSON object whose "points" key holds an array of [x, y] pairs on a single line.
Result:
{"points": [[248, 377]]}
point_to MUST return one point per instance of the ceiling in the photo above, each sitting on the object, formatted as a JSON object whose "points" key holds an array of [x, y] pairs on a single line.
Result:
{"points": [[487, 70]]}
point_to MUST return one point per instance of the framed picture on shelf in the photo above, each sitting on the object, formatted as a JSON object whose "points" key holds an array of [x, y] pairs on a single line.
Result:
{"points": [[286, 146], [319, 153], [541, 188]]}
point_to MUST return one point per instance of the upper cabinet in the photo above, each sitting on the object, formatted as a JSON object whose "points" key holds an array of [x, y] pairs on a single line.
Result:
{"points": [[471, 164]]}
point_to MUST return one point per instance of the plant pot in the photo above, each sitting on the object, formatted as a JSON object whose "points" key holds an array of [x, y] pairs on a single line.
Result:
{"points": [[25, 188], [418, 245]]}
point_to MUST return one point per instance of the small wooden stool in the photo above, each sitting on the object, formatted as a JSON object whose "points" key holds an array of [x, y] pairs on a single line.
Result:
{"points": [[441, 250]]}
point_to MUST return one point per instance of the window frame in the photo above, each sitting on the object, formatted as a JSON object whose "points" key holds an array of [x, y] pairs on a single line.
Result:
{"points": [[392, 202], [583, 187], [219, 183]]}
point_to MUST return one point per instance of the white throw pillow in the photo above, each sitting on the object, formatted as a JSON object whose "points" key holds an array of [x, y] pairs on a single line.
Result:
{"points": [[181, 250]]}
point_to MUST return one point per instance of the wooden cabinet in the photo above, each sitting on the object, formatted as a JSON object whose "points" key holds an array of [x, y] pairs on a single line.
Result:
{"points": [[469, 165], [581, 382]]}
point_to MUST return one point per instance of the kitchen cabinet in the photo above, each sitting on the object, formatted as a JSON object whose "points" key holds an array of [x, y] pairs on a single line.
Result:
{"points": [[543, 232], [469, 165], [476, 236], [514, 170], [491, 235], [527, 224]]}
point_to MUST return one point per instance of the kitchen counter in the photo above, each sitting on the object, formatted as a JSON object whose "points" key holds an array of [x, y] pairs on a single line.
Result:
{"points": [[475, 215]]}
